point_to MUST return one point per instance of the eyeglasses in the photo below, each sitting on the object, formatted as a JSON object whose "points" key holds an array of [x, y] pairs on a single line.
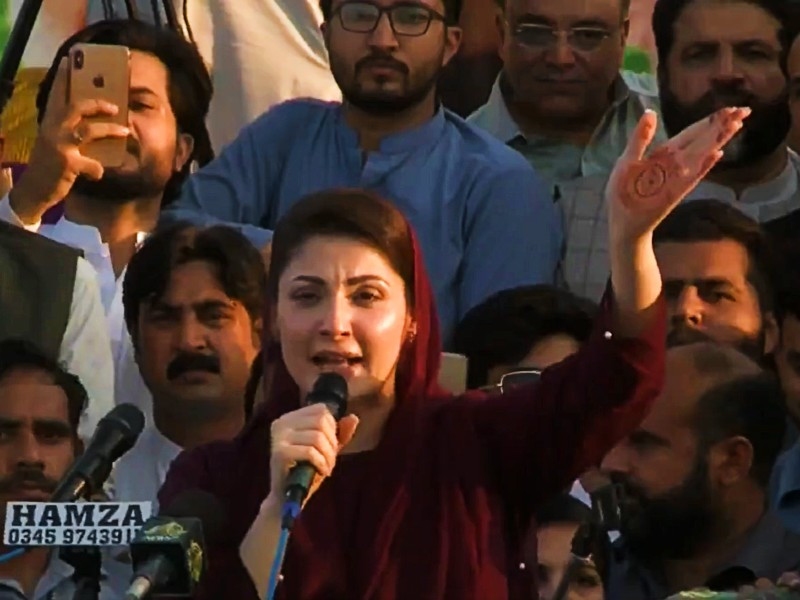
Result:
{"points": [[514, 379], [405, 19], [543, 37]]}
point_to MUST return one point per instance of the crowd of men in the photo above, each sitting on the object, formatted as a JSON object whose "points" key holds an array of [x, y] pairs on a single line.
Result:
{"points": [[146, 283]]}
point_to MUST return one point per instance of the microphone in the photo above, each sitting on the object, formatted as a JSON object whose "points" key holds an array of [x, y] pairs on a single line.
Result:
{"points": [[168, 556], [331, 390], [116, 433]]}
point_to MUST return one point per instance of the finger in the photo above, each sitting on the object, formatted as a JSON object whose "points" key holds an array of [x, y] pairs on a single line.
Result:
{"points": [[718, 130], [347, 429], [641, 137], [89, 168], [313, 420], [99, 131], [57, 100], [291, 455], [328, 447], [88, 108]]}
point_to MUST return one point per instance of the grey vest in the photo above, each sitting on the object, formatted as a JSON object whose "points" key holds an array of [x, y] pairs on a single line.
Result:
{"points": [[37, 279]]}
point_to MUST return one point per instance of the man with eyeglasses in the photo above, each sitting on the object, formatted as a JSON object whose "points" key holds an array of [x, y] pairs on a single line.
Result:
{"points": [[561, 99], [484, 219]]}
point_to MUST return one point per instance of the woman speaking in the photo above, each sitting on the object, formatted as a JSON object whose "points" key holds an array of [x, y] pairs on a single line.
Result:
{"points": [[420, 494]]}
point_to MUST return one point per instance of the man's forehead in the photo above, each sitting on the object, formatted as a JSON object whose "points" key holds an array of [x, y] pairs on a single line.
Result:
{"points": [[437, 5], [567, 10], [30, 401], [725, 21], [721, 259], [148, 73]]}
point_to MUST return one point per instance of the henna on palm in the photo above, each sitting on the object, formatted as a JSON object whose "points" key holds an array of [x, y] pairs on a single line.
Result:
{"points": [[652, 178]]}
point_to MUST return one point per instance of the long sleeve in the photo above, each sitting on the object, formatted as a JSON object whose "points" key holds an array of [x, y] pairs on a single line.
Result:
{"points": [[236, 188], [539, 439], [86, 349], [514, 236]]}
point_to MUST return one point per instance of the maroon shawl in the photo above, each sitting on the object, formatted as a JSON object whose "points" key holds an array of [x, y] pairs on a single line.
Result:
{"points": [[450, 483]]}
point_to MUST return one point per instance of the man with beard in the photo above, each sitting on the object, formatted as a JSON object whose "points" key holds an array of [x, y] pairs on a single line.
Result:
{"points": [[484, 220], [714, 54], [193, 304], [720, 274], [40, 406], [107, 212], [561, 99], [695, 479]]}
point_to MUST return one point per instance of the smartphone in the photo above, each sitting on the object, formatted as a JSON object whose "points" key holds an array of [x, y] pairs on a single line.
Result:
{"points": [[102, 72], [453, 373]]}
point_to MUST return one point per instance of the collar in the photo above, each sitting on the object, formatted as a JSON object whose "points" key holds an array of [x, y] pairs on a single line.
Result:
{"points": [[159, 443], [56, 572], [403, 141], [786, 486], [84, 237], [765, 201], [767, 548], [495, 117]]}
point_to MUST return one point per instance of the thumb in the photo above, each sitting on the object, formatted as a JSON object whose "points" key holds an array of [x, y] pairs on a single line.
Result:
{"points": [[641, 137], [347, 429]]}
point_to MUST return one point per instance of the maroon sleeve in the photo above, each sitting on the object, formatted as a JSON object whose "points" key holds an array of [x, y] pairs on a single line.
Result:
{"points": [[540, 438], [204, 468]]}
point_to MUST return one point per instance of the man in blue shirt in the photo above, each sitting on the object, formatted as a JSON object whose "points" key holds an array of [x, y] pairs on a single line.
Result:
{"points": [[484, 219]]}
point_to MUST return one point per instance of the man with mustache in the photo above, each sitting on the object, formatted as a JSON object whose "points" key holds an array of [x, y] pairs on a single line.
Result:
{"points": [[108, 212], [485, 221], [695, 477], [561, 99], [193, 304], [40, 406], [714, 54], [720, 273]]}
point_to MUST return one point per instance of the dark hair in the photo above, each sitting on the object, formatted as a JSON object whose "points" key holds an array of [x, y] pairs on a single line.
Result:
{"points": [[625, 5], [256, 373], [452, 10], [667, 12], [714, 221], [189, 83], [20, 355], [239, 267], [564, 508], [353, 213], [504, 328], [751, 407]]}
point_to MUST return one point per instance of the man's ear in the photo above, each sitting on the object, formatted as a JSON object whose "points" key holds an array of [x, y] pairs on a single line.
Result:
{"points": [[183, 151], [772, 333], [731, 461]]}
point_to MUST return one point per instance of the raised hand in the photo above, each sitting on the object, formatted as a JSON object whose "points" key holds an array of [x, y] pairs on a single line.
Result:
{"points": [[56, 160], [642, 190]]}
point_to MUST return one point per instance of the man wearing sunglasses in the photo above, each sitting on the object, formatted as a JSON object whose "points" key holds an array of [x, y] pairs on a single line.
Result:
{"points": [[561, 99], [484, 219]]}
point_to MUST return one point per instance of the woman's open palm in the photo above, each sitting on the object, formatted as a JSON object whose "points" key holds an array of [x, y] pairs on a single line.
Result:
{"points": [[642, 190]]}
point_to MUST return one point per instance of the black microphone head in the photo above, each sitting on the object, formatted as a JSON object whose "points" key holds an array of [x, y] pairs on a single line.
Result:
{"points": [[128, 421], [330, 389], [201, 505]]}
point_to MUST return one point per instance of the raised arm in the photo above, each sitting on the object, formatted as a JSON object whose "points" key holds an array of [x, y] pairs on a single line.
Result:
{"points": [[542, 438]]}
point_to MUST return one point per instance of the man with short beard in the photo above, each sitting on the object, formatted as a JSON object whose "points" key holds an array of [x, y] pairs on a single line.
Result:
{"points": [[714, 54], [695, 477], [108, 212], [484, 219]]}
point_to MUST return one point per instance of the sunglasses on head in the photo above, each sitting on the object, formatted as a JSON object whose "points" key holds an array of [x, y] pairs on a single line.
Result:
{"points": [[514, 379]]}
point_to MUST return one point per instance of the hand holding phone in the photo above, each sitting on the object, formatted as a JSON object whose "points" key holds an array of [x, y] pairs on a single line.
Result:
{"points": [[66, 144]]}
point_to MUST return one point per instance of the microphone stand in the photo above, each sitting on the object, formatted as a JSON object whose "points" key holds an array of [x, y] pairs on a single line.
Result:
{"points": [[87, 562]]}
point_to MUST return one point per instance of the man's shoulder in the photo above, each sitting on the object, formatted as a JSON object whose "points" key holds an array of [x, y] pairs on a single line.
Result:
{"points": [[13, 234], [292, 113], [482, 149]]}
